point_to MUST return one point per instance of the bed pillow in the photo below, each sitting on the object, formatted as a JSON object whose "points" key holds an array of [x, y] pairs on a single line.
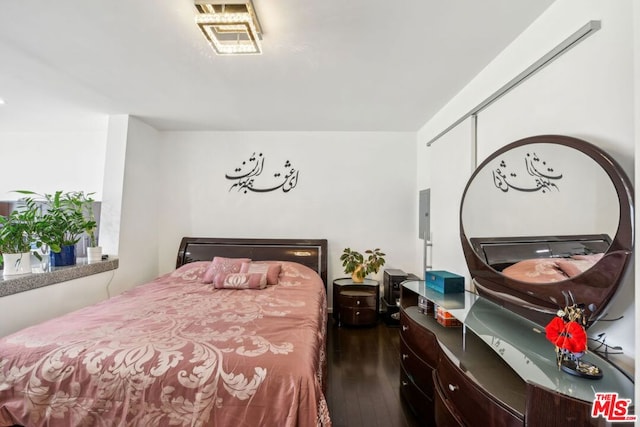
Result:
{"points": [[271, 269], [240, 281], [223, 265]]}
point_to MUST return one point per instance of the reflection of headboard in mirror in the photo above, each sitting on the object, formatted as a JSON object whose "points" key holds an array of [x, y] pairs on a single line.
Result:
{"points": [[502, 253], [562, 198]]}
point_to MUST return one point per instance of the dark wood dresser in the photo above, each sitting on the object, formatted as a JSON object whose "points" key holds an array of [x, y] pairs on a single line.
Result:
{"points": [[495, 370]]}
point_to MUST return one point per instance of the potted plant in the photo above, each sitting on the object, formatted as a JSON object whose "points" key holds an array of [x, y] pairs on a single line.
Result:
{"points": [[17, 232], [358, 266], [94, 252], [61, 224]]}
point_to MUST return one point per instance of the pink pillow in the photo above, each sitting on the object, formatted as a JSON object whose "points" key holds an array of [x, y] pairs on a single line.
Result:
{"points": [[223, 265], [240, 281], [271, 269]]}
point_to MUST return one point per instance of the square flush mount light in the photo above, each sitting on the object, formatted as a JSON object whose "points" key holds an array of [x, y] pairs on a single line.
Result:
{"points": [[231, 26]]}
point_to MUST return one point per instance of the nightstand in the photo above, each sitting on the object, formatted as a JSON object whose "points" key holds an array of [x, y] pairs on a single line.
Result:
{"points": [[356, 304]]}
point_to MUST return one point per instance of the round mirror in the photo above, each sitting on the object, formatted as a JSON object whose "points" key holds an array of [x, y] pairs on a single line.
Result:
{"points": [[544, 216]]}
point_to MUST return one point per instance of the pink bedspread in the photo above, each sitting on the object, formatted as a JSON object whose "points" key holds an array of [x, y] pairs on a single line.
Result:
{"points": [[175, 352]]}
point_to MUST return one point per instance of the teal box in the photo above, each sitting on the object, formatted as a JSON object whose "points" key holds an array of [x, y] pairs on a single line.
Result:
{"points": [[444, 282]]}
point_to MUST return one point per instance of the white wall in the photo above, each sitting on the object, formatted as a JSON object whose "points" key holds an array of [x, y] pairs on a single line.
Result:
{"points": [[586, 93], [129, 225], [137, 230], [30, 307], [445, 167], [49, 161], [355, 189]]}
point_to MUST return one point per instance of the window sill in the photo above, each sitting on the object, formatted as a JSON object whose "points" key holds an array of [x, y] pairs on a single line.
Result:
{"points": [[25, 282]]}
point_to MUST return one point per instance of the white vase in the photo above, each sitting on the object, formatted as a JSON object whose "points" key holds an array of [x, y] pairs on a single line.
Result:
{"points": [[94, 254], [16, 264]]}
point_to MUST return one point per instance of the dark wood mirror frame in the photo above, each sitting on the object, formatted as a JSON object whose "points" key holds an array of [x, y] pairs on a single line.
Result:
{"points": [[595, 287]]}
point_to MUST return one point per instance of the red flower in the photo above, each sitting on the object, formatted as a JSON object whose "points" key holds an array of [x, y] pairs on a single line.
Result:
{"points": [[568, 336]]}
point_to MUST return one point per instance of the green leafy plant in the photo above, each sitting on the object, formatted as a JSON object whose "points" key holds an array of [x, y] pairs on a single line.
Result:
{"points": [[90, 225], [18, 230], [361, 265], [64, 218]]}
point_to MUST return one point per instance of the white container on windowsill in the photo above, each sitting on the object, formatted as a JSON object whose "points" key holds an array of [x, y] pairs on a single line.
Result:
{"points": [[94, 254], [16, 264]]}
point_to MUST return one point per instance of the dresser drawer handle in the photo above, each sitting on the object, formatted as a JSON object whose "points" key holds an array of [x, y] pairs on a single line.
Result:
{"points": [[453, 387], [405, 328], [404, 383], [404, 356], [358, 302], [357, 313]]}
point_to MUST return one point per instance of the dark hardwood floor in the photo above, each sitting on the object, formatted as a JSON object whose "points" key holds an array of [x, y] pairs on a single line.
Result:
{"points": [[364, 376]]}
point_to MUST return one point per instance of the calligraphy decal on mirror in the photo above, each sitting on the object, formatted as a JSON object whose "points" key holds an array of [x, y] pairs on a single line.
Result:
{"points": [[248, 176], [538, 177]]}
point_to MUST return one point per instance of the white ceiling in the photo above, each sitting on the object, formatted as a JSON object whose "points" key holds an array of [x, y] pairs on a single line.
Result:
{"points": [[328, 65]]}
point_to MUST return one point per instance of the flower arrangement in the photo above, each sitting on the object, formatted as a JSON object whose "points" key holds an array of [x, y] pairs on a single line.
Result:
{"points": [[566, 332]]}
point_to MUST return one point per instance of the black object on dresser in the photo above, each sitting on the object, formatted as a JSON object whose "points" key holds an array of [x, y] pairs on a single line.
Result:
{"points": [[391, 282]]}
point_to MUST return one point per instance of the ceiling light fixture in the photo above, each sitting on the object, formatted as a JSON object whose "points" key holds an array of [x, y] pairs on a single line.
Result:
{"points": [[231, 26]]}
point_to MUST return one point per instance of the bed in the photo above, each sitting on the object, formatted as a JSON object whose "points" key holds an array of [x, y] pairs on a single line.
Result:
{"points": [[239, 351]]}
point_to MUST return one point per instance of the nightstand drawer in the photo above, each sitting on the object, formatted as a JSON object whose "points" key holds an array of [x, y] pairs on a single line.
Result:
{"points": [[357, 299], [358, 316]]}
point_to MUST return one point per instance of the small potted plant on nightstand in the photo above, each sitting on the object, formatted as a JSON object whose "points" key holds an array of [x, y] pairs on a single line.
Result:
{"points": [[359, 266]]}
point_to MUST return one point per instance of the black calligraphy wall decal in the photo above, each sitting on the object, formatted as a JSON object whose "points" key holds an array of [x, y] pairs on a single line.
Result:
{"points": [[542, 177], [248, 176]]}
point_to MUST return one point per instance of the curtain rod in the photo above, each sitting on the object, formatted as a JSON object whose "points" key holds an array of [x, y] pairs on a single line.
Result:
{"points": [[575, 38]]}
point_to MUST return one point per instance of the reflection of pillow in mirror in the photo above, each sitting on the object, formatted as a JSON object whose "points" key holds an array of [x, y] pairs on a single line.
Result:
{"points": [[538, 270], [591, 257], [573, 267]]}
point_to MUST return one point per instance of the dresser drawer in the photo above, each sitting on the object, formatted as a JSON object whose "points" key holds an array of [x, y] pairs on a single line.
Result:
{"points": [[358, 316], [422, 341], [418, 370], [420, 404], [366, 299], [444, 415], [471, 402]]}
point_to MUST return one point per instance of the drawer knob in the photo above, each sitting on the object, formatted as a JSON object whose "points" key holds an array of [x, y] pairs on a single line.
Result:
{"points": [[357, 313], [405, 328], [404, 356], [453, 387], [404, 383], [358, 302]]}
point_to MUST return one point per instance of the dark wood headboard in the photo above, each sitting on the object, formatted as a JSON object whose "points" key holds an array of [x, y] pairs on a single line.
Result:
{"points": [[309, 252]]}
